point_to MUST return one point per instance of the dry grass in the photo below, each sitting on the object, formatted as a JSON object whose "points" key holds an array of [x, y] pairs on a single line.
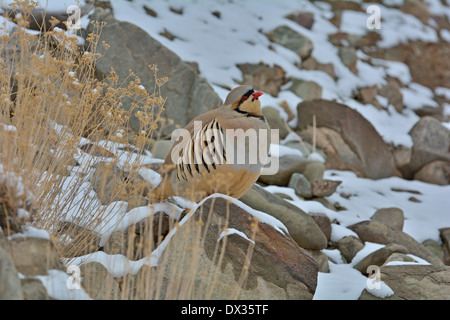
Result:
{"points": [[51, 103]]}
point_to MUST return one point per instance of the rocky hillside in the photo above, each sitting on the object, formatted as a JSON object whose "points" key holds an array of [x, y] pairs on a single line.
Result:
{"points": [[359, 208]]}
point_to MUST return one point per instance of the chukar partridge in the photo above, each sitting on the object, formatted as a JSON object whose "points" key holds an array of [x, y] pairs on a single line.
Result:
{"points": [[201, 162]]}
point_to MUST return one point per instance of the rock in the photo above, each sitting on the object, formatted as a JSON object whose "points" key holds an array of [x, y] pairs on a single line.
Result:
{"points": [[323, 222], [327, 204], [276, 122], [161, 148], [301, 185], [188, 94], [431, 142], [139, 287], [426, 60], [378, 257], [417, 9], [263, 77], [301, 226], [338, 153], [373, 231], [349, 247], [435, 247], [146, 282], [348, 58], [98, 283], [314, 171], [398, 257], [118, 243], [353, 40], [108, 182], [288, 164], [304, 147], [446, 256], [9, 280], [417, 282], [324, 188], [217, 14], [402, 156], [96, 151], [150, 11], [33, 289], [312, 64], [392, 217], [445, 236], [338, 7], [77, 241], [194, 65], [150, 232], [285, 106], [305, 19], [394, 95], [436, 172], [368, 94], [292, 40], [136, 201], [166, 33], [112, 184], [3, 242], [278, 269], [356, 146], [141, 237], [35, 256], [322, 260], [307, 90]]}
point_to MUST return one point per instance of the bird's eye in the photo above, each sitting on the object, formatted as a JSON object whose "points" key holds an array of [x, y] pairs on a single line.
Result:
{"points": [[244, 98]]}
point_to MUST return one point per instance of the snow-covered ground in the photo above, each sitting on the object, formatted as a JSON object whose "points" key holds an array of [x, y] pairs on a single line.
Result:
{"points": [[219, 44]]}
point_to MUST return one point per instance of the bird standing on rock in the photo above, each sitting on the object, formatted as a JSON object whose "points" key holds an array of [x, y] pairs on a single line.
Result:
{"points": [[207, 159]]}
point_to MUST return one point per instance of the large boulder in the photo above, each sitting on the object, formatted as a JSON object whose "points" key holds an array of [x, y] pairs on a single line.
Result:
{"points": [[436, 172], [302, 227], [257, 260], [10, 288], [35, 256], [392, 217], [377, 232], [131, 48], [415, 282], [357, 145], [431, 142], [98, 282]]}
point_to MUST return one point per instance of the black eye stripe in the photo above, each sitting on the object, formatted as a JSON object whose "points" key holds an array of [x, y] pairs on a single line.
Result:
{"points": [[249, 92], [246, 95]]}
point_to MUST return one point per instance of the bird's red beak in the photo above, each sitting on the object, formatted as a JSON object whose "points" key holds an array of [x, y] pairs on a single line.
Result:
{"points": [[256, 95]]}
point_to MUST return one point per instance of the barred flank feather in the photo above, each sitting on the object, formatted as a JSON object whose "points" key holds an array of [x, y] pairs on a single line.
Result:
{"points": [[204, 151]]}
